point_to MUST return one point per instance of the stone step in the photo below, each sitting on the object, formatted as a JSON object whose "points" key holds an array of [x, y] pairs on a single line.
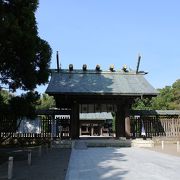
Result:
{"points": [[80, 145], [142, 143], [108, 143], [84, 144], [94, 144], [62, 144]]}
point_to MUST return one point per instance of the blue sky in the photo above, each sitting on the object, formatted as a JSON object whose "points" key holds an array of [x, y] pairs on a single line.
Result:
{"points": [[114, 32]]}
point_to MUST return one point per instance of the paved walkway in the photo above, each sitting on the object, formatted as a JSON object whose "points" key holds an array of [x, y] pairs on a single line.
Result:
{"points": [[122, 164], [168, 149]]}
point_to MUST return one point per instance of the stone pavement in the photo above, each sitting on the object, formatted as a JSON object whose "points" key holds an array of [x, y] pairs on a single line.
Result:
{"points": [[122, 164], [169, 148], [51, 165]]}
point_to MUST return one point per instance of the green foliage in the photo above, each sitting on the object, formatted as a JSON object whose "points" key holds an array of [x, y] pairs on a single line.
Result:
{"points": [[5, 96], [13, 108], [168, 98], [142, 104], [164, 99], [46, 102], [24, 56], [176, 92], [24, 105]]}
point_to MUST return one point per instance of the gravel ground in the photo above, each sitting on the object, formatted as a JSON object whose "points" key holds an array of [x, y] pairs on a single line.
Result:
{"points": [[51, 165]]}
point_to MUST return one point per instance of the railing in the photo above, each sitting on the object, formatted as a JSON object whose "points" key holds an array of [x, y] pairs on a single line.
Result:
{"points": [[171, 127], [25, 135], [155, 126], [48, 128]]}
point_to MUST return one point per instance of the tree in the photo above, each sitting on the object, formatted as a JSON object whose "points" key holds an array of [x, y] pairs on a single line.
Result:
{"points": [[14, 109], [168, 98], [24, 56], [5, 96], [46, 102], [24, 105], [176, 95], [164, 99], [142, 104]]}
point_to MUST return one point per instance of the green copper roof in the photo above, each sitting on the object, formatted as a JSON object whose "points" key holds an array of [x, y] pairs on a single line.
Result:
{"points": [[96, 116], [93, 82], [156, 112]]}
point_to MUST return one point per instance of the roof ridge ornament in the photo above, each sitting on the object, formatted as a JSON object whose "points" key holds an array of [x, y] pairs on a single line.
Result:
{"points": [[84, 67], [125, 68], [57, 58], [138, 63], [70, 67], [98, 68], [111, 68]]}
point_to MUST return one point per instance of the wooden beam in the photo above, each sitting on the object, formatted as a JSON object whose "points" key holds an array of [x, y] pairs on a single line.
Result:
{"points": [[90, 99]]}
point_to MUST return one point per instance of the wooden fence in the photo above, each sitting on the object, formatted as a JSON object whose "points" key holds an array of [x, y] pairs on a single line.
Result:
{"points": [[25, 135], [171, 127], [49, 127], [155, 126]]}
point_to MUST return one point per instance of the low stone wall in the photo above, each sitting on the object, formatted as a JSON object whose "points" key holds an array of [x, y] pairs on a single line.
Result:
{"points": [[142, 143], [168, 140]]}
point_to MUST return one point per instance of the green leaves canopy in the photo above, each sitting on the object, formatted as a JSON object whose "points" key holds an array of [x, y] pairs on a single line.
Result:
{"points": [[24, 56], [176, 92], [46, 102], [168, 98], [24, 105]]}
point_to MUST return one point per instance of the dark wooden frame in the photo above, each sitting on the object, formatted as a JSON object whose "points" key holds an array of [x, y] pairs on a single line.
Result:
{"points": [[122, 103]]}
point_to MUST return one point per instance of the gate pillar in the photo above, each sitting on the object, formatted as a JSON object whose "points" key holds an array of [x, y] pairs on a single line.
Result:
{"points": [[127, 123], [74, 127], [120, 122]]}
